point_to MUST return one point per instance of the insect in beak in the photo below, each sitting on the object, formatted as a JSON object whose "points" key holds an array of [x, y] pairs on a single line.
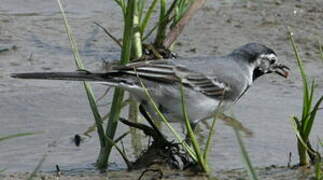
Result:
{"points": [[281, 70]]}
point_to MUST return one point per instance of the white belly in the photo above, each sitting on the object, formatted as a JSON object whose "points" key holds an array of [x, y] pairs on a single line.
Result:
{"points": [[198, 105]]}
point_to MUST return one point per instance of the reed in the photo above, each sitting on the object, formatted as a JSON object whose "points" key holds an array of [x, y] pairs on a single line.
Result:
{"points": [[245, 157], [7, 137], [87, 86], [303, 125]]}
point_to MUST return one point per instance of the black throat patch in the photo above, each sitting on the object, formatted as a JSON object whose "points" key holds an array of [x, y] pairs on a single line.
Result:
{"points": [[257, 73]]}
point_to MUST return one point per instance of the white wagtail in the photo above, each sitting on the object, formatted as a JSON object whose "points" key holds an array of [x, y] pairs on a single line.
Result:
{"points": [[207, 81]]}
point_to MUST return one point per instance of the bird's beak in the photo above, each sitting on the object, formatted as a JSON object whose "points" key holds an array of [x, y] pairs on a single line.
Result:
{"points": [[281, 70]]}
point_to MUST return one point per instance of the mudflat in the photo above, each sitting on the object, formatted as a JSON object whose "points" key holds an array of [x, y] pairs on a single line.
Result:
{"points": [[32, 38]]}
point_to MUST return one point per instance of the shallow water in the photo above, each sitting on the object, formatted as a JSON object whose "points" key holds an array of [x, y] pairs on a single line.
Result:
{"points": [[61, 110]]}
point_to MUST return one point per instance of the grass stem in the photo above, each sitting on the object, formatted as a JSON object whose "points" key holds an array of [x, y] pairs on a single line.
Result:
{"points": [[303, 126], [87, 86], [196, 146], [245, 157]]}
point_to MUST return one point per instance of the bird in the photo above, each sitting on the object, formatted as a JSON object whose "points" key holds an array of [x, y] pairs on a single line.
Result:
{"points": [[206, 82]]}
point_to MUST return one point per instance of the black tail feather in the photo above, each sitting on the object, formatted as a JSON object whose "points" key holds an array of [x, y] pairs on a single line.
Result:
{"points": [[69, 76]]}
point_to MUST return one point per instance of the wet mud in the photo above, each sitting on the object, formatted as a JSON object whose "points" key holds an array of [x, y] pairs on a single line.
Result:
{"points": [[32, 38]]}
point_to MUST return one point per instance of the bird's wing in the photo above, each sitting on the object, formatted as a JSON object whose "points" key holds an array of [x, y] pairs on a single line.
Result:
{"points": [[169, 72], [158, 70], [207, 85]]}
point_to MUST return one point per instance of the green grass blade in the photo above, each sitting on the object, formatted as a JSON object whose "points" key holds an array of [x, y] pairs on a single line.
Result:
{"points": [[147, 17], [178, 27], [196, 146], [311, 94], [299, 136], [318, 173], [115, 111], [122, 5], [303, 74], [305, 105], [92, 128], [114, 143], [136, 42], [116, 106], [125, 57], [163, 22], [245, 157], [312, 117], [166, 19], [18, 135], [87, 86], [147, 35], [169, 126], [128, 33], [140, 8], [95, 112], [294, 121], [304, 126], [307, 124], [74, 47], [181, 7], [298, 58], [209, 138]]}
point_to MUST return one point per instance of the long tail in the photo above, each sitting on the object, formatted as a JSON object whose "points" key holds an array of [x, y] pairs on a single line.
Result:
{"points": [[70, 76]]}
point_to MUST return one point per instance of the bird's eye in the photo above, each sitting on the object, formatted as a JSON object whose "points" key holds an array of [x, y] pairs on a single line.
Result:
{"points": [[272, 60]]}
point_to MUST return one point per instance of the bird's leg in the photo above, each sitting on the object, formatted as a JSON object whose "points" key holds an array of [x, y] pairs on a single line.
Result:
{"points": [[146, 129], [149, 120], [152, 131]]}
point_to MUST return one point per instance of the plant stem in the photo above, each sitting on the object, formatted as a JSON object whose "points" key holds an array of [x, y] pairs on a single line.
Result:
{"points": [[147, 17], [161, 32], [208, 142], [135, 134], [118, 93], [2, 138], [87, 87], [178, 28], [136, 54], [245, 157], [136, 43], [196, 146], [302, 152]]}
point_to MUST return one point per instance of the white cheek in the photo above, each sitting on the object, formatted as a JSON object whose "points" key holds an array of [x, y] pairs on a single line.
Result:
{"points": [[272, 56], [268, 56]]}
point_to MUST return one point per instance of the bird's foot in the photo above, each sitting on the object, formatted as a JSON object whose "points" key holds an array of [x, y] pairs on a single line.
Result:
{"points": [[149, 131]]}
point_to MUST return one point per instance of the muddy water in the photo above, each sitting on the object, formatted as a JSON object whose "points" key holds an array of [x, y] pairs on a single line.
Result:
{"points": [[60, 109]]}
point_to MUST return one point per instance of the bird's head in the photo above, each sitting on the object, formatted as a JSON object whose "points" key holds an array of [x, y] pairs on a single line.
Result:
{"points": [[262, 59]]}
